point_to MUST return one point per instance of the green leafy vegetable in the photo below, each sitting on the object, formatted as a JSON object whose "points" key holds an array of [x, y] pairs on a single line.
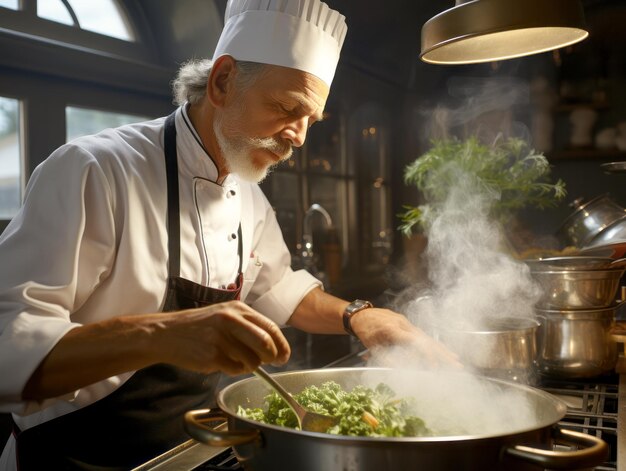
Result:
{"points": [[509, 167], [362, 411]]}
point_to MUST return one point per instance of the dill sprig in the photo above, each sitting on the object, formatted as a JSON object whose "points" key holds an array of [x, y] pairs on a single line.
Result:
{"points": [[509, 167]]}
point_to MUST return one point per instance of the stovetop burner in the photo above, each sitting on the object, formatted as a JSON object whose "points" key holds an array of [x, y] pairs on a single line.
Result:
{"points": [[592, 408], [224, 461]]}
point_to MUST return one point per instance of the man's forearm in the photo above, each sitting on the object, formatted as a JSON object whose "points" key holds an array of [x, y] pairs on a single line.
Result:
{"points": [[91, 353], [229, 337], [320, 313]]}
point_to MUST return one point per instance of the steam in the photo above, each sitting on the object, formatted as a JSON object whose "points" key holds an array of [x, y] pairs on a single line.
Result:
{"points": [[472, 277], [460, 404], [480, 106]]}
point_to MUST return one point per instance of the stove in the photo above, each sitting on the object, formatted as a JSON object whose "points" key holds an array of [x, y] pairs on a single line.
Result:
{"points": [[593, 407]]}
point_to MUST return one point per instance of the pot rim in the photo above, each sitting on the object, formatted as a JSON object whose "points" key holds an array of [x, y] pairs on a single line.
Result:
{"points": [[560, 409], [590, 273], [588, 313], [561, 263], [498, 325]]}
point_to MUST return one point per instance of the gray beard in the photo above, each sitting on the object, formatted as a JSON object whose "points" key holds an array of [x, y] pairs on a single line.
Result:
{"points": [[236, 153]]}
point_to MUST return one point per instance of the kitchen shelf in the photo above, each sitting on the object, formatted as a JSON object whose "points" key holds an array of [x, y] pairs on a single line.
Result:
{"points": [[587, 154], [567, 107]]}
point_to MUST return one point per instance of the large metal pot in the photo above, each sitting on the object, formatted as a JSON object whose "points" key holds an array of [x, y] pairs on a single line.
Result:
{"points": [[576, 343], [589, 220], [512, 442]]}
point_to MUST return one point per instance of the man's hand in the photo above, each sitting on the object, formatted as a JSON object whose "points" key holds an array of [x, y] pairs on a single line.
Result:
{"points": [[394, 341], [229, 337]]}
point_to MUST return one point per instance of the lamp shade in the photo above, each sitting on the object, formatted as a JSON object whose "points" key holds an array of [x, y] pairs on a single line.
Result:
{"points": [[489, 30]]}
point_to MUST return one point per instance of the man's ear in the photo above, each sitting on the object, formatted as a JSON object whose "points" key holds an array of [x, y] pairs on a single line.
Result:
{"points": [[221, 80]]}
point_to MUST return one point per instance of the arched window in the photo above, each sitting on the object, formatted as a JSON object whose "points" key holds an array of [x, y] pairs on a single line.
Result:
{"points": [[100, 16], [12, 4], [117, 28]]}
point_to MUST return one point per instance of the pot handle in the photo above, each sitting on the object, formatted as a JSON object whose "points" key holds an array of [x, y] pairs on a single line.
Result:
{"points": [[618, 332], [594, 453], [195, 424]]}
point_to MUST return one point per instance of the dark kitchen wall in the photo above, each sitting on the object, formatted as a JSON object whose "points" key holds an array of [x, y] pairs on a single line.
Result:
{"points": [[536, 95]]}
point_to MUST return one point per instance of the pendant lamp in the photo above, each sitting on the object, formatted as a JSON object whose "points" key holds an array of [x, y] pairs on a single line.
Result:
{"points": [[489, 30]]}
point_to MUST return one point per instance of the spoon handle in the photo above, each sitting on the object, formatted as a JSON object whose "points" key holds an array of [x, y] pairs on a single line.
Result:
{"points": [[265, 376]]}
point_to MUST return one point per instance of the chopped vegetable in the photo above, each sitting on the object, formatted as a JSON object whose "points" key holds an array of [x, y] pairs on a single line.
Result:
{"points": [[363, 411]]}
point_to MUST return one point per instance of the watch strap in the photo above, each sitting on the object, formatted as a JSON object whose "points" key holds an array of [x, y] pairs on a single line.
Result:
{"points": [[355, 306]]}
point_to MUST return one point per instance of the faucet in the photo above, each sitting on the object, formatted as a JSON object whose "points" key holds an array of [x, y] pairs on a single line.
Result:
{"points": [[308, 255]]}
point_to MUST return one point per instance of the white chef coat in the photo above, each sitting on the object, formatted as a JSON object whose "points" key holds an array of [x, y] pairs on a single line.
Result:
{"points": [[90, 243]]}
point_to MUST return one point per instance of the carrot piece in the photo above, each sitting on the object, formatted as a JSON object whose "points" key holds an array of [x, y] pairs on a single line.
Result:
{"points": [[370, 419]]}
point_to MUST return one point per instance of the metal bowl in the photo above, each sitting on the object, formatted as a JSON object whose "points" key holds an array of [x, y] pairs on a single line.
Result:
{"points": [[578, 289]]}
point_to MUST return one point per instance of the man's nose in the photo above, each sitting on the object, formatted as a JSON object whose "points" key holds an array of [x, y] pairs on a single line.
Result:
{"points": [[295, 132]]}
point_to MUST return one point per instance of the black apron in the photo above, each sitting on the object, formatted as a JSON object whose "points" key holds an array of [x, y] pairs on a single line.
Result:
{"points": [[144, 417]]}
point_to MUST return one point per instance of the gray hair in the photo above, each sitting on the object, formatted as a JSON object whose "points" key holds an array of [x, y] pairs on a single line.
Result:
{"points": [[191, 80]]}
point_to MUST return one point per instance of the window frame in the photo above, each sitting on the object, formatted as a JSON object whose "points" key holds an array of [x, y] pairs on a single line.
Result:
{"points": [[47, 47], [21, 125], [43, 101]]}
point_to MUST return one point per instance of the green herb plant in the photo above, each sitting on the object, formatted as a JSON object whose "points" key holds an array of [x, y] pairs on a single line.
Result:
{"points": [[363, 411], [509, 167]]}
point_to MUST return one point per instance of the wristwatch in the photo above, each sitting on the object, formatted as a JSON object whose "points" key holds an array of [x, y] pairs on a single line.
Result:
{"points": [[352, 308]]}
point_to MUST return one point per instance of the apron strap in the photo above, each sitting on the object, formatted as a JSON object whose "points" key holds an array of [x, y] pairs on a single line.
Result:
{"points": [[173, 208], [173, 205]]}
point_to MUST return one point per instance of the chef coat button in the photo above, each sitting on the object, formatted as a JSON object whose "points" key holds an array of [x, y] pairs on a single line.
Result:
{"points": [[230, 193], [233, 236]]}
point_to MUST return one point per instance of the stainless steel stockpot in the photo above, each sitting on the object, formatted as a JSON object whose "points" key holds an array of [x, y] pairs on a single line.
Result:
{"points": [[576, 343], [578, 289], [510, 447]]}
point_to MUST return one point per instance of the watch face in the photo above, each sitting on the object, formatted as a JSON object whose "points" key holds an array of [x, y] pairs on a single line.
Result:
{"points": [[357, 305]]}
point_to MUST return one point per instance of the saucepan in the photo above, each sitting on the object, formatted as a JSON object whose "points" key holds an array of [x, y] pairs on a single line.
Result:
{"points": [[501, 347], [577, 343], [513, 433]]}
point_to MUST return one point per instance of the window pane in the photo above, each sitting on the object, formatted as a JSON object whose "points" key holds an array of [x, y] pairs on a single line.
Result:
{"points": [[102, 16], [12, 4], [54, 10], [10, 158], [85, 121]]}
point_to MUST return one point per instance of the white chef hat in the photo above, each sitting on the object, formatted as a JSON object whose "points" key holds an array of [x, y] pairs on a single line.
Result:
{"points": [[301, 34]]}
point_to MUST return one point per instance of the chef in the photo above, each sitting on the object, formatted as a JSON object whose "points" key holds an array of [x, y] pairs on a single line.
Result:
{"points": [[146, 261]]}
